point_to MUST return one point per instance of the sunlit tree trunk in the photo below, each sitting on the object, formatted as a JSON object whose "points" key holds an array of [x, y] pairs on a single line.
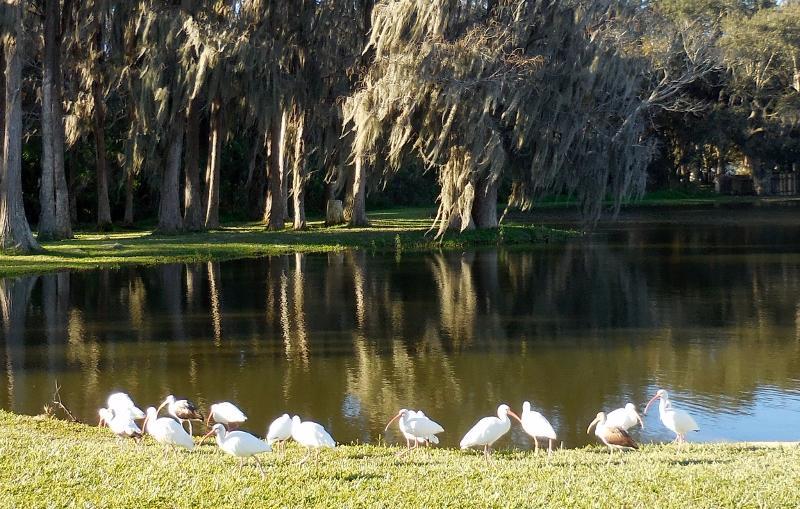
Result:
{"points": [[356, 199], [282, 162], [274, 213], [15, 232], [298, 177], [213, 165], [193, 219]]}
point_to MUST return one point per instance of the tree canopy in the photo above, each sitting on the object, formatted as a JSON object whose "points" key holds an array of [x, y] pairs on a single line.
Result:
{"points": [[182, 111]]}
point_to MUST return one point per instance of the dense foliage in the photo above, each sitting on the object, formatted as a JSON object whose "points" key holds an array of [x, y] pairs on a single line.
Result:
{"points": [[182, 111]]}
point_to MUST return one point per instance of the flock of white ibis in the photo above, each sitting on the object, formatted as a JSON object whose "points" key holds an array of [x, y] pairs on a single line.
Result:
{"points": [[121, 415]]}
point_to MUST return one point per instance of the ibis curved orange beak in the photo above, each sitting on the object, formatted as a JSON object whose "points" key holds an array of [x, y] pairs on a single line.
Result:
{"points": [[206, 436], [144, 425], [101, 423], [208, 419], [592, 425], [639, 418], [393, 419], [163, 403], [650, 403], [515, 416]]}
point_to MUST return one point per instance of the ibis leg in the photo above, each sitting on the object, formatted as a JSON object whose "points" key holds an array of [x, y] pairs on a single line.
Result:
{"points": [[260, 467], [535, 445]]}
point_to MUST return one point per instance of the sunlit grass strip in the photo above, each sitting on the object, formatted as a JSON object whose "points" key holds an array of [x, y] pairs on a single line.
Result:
{"points": [[401, 230], [50, 463]]}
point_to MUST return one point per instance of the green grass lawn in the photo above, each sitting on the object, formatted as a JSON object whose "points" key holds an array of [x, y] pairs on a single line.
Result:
{"points": [[51, 463], [391, 230]]}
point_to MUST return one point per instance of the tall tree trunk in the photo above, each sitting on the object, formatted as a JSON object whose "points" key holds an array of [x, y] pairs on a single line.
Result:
{"points": [[274, 212], [356, 199], [193, 219], [256, 191], [54, 219], [762, 177], [282, 162], [99, 120], [169, 208], [213, 166], [298, 177], [15, 233], [484, 208], [2, 108]]}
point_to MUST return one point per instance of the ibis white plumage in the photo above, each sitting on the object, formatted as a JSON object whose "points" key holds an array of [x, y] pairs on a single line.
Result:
{"points": [[225, 413], [166, 431], [311, 436], [182, 409], [537, 426], [280, 430], [679, 421], [624, 418], [489, 429], [120, 423], [612, 436], [416, 427], [240, 444], [120, 402]]}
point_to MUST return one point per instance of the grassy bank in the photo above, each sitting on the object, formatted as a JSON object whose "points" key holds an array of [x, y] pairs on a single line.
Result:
{"points": [[403, 230], [50, 463]]}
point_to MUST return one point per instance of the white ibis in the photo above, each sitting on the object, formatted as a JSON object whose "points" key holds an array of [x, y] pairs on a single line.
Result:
{"points": [[624, 418], [311, 436], [166, 430], [679, 421], [537, 426], [416, 427], [119, 402], [489, 429], [121, 424], [225, 413], [239, 444], [182, 409], [280, 430], [612, 436]]}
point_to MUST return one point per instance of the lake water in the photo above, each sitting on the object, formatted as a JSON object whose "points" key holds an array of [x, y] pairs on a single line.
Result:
{"points": [[705, 304]]}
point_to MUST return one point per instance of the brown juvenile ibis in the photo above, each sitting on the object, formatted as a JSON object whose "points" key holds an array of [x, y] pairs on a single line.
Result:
{"points": [[614, 437], [182, 410]]}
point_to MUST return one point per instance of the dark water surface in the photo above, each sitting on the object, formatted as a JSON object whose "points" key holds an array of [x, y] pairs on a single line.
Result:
{"points": [[708, 308]]}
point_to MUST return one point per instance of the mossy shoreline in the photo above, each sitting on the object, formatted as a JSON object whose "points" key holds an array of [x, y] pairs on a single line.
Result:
{"points": [[46, 462], [391, 231]]}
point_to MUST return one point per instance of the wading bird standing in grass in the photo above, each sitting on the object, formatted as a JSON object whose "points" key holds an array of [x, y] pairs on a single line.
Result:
{"points": [[120, 402], [416, 427], [121, 424], [280, 430], [311, 436], [239, 444], [624, 418], [488, 430], [166, 431], [679, 421], [612, 436], [537, 426], [183, 410], [225, 413]]}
